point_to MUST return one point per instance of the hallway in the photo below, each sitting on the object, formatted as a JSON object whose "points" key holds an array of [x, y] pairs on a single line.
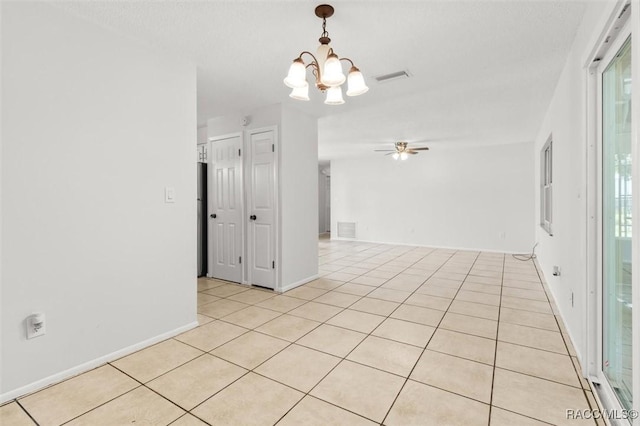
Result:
{"points": [[390, 335]]}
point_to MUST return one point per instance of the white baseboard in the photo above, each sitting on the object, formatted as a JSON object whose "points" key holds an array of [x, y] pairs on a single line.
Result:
{"points": [[429, 246], [90, 365], [298, 283]]}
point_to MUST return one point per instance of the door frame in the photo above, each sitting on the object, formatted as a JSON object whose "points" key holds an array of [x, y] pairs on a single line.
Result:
{"points": [[327, 203], [602, 53], [277, 285], [210, 168]]}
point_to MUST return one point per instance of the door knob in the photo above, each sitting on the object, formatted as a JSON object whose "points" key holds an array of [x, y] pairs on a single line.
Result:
{"points": [[253, 217], [213, 216]]}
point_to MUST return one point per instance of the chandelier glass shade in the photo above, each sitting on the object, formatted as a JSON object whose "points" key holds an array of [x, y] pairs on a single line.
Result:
{"points": [[326, 67]]}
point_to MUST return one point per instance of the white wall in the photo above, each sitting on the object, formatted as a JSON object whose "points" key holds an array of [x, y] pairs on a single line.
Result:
{"points": [[566, 120], [94, 127], [298, 197], [461, 197], [202, 135], [266, 116]]}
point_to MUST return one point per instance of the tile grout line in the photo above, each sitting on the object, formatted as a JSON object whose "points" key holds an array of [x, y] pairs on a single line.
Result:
{"points": [[252, 370], [578, 375], [68, 379], [290, 343], [144, 385], [26, 412], [431, 337], [345, 357], [495, 354], [388, 316]]}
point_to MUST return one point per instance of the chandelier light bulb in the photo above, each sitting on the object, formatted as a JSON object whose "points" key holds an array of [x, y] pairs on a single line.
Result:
{"points": [[300, 93], [333, 75], [356, 83], [296, 78], [334, 96], [395, 155]]}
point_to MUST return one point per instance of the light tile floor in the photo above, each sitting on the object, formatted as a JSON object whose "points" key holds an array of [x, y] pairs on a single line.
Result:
{"points": [[388, 335]]}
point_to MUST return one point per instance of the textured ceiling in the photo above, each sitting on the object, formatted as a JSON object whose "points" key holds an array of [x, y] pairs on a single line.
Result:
{"points": [[483, 71]]}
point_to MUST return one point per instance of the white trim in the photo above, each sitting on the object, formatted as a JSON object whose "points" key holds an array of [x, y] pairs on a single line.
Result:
{"points": [[595, 61], [607, 23], [546, 186], [635, 142], [210, 197], [276, 206], [90, 365], [298, 283], [427, 246], [608, 398], [223, 137]]}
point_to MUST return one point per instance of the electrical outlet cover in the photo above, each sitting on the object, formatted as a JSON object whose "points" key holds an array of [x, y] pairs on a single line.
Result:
{"points": [[32, 330]]}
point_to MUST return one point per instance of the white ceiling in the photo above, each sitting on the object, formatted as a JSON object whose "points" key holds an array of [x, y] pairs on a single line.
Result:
{"points": [[483, 71]]}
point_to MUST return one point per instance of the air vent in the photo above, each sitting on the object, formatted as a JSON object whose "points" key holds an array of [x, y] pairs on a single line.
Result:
{"points": [[346, 230], [392, 76]]}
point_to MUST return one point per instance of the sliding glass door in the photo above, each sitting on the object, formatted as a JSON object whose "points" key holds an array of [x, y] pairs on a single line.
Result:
{"points": [[617, 222]]}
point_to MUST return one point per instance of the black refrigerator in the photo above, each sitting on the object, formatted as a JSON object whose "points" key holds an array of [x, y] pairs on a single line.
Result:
{"points": [[202, 219]]}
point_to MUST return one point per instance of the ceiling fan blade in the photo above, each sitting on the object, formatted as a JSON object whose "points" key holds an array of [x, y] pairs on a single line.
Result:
{"points": [[412, 152], [391, 153], [384, 150], [421, 149]]}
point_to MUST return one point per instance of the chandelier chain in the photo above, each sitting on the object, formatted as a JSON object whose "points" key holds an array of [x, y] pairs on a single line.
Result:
{"points": [[324, 28]]}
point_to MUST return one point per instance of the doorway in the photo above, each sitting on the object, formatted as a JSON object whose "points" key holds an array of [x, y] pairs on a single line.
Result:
{"points": [[262, 206], [613, 249], [225, 208], [614, 75], [242, 207]]}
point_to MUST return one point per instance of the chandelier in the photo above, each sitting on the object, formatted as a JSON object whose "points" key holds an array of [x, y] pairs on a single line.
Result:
{"points": [[326, 68]]}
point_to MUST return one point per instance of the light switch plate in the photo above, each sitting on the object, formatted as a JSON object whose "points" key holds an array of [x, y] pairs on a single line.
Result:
{"points": [[169, 194]]}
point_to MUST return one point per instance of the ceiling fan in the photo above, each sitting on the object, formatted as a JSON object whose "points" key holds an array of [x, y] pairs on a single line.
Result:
{"points": [[402, 150]]}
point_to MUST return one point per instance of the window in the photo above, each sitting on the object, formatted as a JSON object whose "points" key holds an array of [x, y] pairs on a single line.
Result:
{"points": [[546, 183]]}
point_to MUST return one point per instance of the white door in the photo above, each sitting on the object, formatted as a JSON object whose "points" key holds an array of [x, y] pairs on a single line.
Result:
{"points": [[225, 209], [261, 209]]}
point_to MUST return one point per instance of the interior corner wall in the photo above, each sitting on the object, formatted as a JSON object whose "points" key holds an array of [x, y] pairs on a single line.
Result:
{"points": [[566, 121], [267, 116], [95, 126], [202, 135], [478, 198], [298, 197]]}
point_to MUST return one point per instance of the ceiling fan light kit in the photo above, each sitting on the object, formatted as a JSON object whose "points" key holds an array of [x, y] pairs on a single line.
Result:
{"points": [[402, 151], [327, 69]]}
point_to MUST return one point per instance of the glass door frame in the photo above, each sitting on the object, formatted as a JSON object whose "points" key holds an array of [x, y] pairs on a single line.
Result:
{"points": [[596, 62], [612, 53]]}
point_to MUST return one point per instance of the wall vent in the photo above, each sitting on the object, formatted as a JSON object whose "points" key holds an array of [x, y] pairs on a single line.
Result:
{"points": [[392, 76], [346, 230]]}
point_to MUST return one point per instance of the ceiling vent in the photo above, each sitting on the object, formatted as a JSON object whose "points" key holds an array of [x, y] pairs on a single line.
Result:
{"points": [[392, 76]]}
